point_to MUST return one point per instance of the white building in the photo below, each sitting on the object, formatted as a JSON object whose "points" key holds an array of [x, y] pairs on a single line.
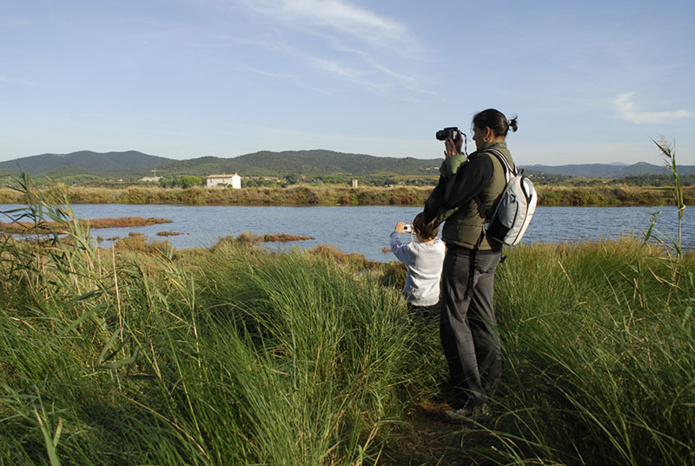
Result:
{"points": [[151, 179], [224, 181]]}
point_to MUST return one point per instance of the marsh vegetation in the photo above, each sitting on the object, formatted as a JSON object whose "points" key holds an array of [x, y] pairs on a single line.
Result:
{"points": [[593, 194], [142, 354], [17, 226]]}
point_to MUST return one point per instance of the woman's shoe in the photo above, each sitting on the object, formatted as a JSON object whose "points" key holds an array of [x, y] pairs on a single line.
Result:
{"points": [[467, 414]]}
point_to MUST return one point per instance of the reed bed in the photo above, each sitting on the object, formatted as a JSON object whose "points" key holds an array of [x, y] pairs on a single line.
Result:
{"points": [[301, 194], [317, 194], [236, 355]]}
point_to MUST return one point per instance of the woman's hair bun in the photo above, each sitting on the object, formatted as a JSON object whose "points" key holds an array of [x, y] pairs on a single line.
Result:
{"points": [[512, 124], [495, 120]]}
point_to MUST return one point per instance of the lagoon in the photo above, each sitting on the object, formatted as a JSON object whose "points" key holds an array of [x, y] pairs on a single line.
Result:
{"points": [[364, 229]]}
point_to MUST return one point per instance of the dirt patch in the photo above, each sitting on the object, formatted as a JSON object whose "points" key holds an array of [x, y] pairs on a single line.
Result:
{"points": [[425, 438]]}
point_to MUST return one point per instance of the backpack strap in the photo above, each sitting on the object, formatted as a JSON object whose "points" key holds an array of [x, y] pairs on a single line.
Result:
{"points": [[509, 173]]}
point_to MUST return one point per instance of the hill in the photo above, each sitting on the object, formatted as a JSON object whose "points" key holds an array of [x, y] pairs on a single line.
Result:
{"points": [[85, 161], [311, 163]]}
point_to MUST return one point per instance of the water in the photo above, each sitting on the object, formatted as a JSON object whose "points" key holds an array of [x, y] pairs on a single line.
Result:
{"points": [[364, 230]]}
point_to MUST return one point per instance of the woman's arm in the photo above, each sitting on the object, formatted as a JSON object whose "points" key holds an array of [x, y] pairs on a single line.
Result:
{"points": [[469, 181]]}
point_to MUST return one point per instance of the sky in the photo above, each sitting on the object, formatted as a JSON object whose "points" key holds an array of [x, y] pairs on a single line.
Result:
{"points": [[590, 81]]}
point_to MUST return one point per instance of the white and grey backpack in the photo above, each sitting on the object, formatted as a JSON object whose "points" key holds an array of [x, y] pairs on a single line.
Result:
{"points": [[515, 208]]}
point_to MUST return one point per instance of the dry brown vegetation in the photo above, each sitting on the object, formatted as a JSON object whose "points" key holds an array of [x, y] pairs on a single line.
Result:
{"points": [[246, 237], [284, 238], [168, 233], [120, 222]]}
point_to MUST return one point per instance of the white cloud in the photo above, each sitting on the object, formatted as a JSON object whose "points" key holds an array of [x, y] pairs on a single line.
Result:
{"points": [[338, 38], [628, 110], [339, 15]]}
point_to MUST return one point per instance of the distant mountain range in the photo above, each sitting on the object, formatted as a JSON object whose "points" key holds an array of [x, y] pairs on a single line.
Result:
{"points": [[133, 163], [308, 163], [601, 170]]}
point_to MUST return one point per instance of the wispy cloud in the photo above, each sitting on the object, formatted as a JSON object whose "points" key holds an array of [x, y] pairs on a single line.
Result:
{"points": [[20, 82], [368, 27], [292, 77], [366, 79], [628, 110], [348, 42], [379, 66]]}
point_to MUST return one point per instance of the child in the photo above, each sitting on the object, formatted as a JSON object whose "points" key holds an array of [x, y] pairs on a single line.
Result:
{"points": [[424, 259]]}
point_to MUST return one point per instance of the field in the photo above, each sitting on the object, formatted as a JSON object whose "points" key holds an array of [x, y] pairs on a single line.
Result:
{"points": [[235, 355]]}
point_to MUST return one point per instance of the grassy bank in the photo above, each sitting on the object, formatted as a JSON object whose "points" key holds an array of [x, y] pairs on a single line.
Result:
{"points": [[549, 195], [235, 355], [294, 195], [608, 195]]}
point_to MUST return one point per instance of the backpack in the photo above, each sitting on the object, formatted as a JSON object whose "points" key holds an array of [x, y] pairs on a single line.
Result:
{"points": [[514, 209]]}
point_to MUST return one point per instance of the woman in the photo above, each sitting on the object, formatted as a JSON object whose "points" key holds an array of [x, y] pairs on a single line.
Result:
{"points": [[463, 201]]}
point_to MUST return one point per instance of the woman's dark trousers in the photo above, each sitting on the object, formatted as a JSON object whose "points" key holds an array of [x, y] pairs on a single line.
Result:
{"points": [[468, 329]]}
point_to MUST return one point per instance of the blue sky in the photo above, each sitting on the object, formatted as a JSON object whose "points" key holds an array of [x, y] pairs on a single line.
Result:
{"points": [[591, 81]]}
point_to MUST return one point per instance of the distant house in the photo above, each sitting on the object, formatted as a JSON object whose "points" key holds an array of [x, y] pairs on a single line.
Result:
{"points": [[354, 183], [223, 181], [151, 179]]}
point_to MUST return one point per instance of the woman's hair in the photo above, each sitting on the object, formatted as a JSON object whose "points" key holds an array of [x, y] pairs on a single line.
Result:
{"points": [[495, 120], [427, 232]]}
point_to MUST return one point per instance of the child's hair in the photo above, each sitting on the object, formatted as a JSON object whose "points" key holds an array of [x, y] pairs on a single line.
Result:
{"points": [[427, 232]]}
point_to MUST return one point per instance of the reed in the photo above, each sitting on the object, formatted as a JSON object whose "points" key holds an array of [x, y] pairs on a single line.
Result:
{"points": [[668, 153]]}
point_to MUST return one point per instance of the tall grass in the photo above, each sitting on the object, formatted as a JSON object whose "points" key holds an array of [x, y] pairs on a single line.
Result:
{"points": [[234, 355], [601, 359], [227, 356], [599, 340]]}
